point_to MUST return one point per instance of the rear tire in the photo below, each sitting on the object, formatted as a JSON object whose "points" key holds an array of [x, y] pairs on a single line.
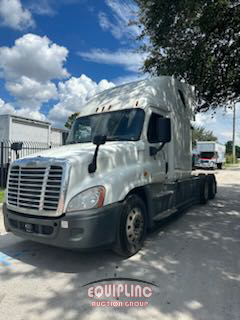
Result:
{"points": [[204, 189], [132, 227], [219, 166], [212, 186]]}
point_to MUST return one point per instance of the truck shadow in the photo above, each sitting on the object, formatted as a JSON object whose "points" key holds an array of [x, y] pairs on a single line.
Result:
{"points": [[191, 257]]}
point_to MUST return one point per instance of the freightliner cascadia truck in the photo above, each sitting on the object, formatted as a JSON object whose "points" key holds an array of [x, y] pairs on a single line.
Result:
{"points": [[126, 166]]}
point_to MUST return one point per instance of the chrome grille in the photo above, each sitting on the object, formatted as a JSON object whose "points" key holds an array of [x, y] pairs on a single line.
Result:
{"points": [[53, 188], [35, 188]]}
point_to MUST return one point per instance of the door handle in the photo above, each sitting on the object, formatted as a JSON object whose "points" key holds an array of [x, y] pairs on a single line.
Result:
{"points": [[166, 167]]}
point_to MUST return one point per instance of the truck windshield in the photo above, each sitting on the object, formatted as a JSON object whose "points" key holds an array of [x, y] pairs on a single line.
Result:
{"points": [[207, 155], [124, 125]]}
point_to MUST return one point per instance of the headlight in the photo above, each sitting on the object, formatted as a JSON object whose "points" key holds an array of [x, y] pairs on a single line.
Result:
{"points": [[88, 199]]}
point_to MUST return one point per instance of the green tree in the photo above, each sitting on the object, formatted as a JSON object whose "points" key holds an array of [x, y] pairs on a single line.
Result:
{"points": [[71, 119], [229, 149], [201, 134], [198, 41]]}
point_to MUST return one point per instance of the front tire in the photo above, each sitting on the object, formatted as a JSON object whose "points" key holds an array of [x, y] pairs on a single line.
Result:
{"points": [[132, 227]]}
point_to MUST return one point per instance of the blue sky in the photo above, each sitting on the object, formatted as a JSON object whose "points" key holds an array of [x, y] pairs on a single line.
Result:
{"points": [[56, 54], [76, 25]]}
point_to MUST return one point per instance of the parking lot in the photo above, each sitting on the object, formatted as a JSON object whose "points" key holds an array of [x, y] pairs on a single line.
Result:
{"points": [[194, 259]]}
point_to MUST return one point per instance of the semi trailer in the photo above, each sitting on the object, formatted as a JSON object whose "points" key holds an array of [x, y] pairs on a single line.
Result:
{"points": [[211, 154], [126, 166]]}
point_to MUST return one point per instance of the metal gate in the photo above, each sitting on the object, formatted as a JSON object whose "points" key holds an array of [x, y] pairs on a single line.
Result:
{"points": [[8, 154]]}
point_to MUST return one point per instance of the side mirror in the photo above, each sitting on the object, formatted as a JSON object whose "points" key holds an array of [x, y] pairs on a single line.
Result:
{"points": [[98, 140], [163, 130]]}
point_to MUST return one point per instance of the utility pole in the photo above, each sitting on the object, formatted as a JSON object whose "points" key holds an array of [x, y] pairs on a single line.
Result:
{"points": [[234, 129]]}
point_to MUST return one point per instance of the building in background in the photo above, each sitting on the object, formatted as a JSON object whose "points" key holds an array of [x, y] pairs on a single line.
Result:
{"points": [[16, 128], [58, 136], [31, 135]]}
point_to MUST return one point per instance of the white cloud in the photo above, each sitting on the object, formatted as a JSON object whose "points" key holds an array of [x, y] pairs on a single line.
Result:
{"points": [[13, 15], [32, 114], [73, 94], [131, 61], [34, 57], [103, 21], [49, 7], [129, 78], [6, 107], [204, 118], [42, 7], [28, 68], [31, 93], [118, 24]]}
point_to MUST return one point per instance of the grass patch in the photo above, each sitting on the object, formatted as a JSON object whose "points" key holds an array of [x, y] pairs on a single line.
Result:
{"points": [[227, 165], [1, 195]]}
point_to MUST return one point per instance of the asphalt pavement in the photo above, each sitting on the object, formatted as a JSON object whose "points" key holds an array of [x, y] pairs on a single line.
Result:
{"points": [[193, 259]]}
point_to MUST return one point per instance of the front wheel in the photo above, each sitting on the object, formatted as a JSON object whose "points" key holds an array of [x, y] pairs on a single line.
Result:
{"points": [[132, 227], [213, 165]]}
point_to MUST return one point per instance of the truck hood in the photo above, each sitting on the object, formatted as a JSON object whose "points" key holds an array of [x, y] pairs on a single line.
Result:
{"points": [[114, 158], [83, 152], [117, 161]]}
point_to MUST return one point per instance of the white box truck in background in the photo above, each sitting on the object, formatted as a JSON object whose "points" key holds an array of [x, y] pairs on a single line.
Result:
{"points": [[211, 154], [127, 166]]}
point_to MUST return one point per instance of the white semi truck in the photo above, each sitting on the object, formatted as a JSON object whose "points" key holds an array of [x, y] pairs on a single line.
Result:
{"points": [[211, 154], [127, 166]]}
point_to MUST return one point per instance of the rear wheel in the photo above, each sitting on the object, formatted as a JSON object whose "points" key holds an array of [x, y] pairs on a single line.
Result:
{"points": [[204, 189], [212, 186], [219, 166], [132, 228]]}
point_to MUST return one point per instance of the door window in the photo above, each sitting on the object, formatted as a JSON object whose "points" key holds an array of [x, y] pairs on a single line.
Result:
{"points": [[152, 128]]}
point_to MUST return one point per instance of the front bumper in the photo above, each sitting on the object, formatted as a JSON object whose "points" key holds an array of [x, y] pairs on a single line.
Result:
{"points": [[79, 230], [205, 165]]}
